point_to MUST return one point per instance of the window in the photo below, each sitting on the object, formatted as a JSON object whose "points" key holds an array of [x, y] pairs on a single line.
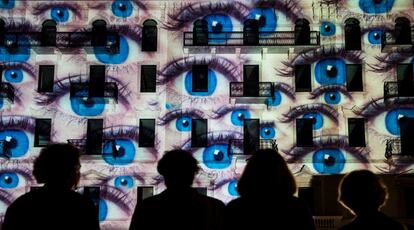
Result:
{"points": [[42, 133], [49, 33], [251, 135], [201, 190], [144, 192], [405, 72], [356, 132], [94, 136], [302, 32], [352, 34], [46, 78], [304, 132], [406, 133], [402, 31], [148, 78], [199, 133], [200, 78], [93, 194], [146, 136], [354, 77], [307, 194], [200, 32], [303, 78], [99, 33], [2, 32], [251, 32], [149, 36], [251, 80], [96, 80]]}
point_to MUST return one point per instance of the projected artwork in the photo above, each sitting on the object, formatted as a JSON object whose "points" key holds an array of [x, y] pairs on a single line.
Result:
{"points": [[315, 77]]}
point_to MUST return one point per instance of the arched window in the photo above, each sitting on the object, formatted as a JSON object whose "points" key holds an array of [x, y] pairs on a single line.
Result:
{"points": [[149, 36], [200, 32], [99, 33], [251, 32], [302, 32], [2, 31], [49, 33], [352, 34], [402, 31]]}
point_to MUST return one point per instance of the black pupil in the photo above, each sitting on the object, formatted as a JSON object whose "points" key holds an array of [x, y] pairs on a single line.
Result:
{"points": [[121, 152], [267, 132], [332, 96], [218, 28], [262, 21], [89, 102], [241, 116], [12, 143], [377, 1], [60, 13], [329, 160], [8, 180], [218, 156], [376, 36], [122, 7], [327, 28], [185, 123], [5, 1], [332, 71], [13, 74], [124, 182]]}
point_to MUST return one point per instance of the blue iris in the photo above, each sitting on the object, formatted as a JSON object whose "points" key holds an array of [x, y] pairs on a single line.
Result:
{"points": [[327, 29], [106, 57], [317, 119], [17, 140], [391, 119], [267, 132], [328, 161], [276, 100], [212, 84], [122, 8], [218, 25], [13, 75], [8, 180], [7, 4], [216, 156], [266, 17], [183, 124], [237, 116], [124, 182], [332, 97], [370, 7], [233, 188], [103, 210], [126, 152], [330, 72], [20, 54], [60, 14], [374, 37], [87, 107]]}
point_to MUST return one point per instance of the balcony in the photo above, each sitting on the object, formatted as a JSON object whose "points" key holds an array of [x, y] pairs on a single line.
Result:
{"points": [[82, 90], [398, 89], [226, 42], [63, 41], [255, 93], [390, 42], [7, 91], [396, 149], [237, 146]]}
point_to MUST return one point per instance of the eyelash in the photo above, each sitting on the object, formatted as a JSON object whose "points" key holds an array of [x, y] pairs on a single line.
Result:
{"points": [[190, 112], [25, 123], [41, 9], [220, 137], [315, 107], [118, 197], [388, 61], [378, 106], [328, 88], [225, 109]]}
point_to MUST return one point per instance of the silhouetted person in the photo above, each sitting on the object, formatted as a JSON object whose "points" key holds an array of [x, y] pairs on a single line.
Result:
{"points": [[55, 205], [266, 200], [364, 193], [180, 206]]}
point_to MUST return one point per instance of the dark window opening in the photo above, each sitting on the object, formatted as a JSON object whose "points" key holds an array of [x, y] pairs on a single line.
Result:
{"points": [[200, 78], [46, 78], [303, 78], [49, 33], [94, 137], [251, 80], [302, 32], [304, 132], [354, 77], [2, 32], [402, 31], [201, 190], [407, 135], [352, 34], [149, 36], [143, 192], [251, 32], [199, 133], [251, 135], [96, 80], [93, 194], [200, 32], [307, 195], [99, 33], [148, 78], [146, 137], [356, 132], [43, 130], [405, 72]]}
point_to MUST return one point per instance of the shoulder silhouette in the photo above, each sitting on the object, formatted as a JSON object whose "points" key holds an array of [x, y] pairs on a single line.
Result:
{"points": [[179, 206], [55, 205], [364, 193], [266, 200]]}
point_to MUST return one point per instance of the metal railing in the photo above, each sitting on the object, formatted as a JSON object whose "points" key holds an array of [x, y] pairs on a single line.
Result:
{"points": [[7, 91], [82, 90], [237, 146], [264, 89], [398, 89], [389, 39], [392, 147], [238, 38]]}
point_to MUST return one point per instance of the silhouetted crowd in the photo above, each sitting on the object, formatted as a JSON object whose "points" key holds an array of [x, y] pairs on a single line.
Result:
{"points": [[57, 206]]}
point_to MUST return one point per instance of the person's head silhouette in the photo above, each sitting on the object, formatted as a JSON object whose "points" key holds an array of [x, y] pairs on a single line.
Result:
{"points": [[178, 167], [58, 165], [266, 168], [362, 192]]}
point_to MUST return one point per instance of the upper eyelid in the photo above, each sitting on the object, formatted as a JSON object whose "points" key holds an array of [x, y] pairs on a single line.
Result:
{"points": [[225, 109], [125, 202], [307, 108], [386, 62], [223, 182], [290, 8], [377, 106], [17, 121], [327, 88], [129, 131], [42, 8], [171, 115], [213, 137], [286, 89]]}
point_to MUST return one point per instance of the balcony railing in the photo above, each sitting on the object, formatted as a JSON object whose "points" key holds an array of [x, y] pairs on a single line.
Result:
{"points": [[390, 40], [7, 91], [264, 89], [396, 89], [237, 146], [397, 147], [274, 38], [82, 90]]}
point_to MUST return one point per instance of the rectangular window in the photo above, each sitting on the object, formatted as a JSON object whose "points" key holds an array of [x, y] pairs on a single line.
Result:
{"points": [[405, 72], [251, 135], [46, 78], [303, 78], [199, 133], [1, 71], [200, 78], [43, 130], [406, 133], [146, 133], [356, 132], [354, 78], [148, 78], [96, 80], [307, 194], [409, 202], [94, 136], [201, 190], [304, 132], [144, 192], [92, 193], [250, 80]]}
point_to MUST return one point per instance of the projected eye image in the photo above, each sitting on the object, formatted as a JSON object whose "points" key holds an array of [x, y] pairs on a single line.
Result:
{"points": [[329, 83]]}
